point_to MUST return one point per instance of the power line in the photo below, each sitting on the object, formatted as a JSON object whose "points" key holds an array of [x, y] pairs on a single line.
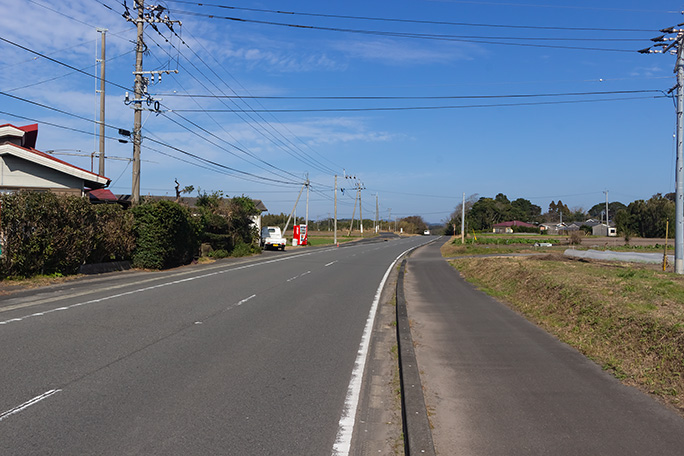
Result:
{"points": [[419, 108], [51, 108], [412, 21], [275, 118], [61, 63], [403, 97], [271, 137], [67, 74], [219, 165], [399, 34]]}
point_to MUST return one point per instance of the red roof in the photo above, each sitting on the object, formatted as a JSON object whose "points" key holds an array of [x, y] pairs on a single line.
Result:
{"points": [[102, 194], [30, 136]]}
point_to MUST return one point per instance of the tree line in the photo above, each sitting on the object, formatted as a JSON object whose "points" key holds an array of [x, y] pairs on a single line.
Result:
{"points": [[643, 218]]}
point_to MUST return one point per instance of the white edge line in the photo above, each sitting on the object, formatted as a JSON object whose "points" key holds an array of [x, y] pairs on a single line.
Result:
{"points": [[27, 404], [345, 430]]}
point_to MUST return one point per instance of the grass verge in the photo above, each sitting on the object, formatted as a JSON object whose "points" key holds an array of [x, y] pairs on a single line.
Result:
{"points": [[627, 318]]}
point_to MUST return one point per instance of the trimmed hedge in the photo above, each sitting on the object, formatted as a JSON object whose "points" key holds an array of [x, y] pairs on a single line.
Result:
{"points": [[166, 235], [46, 233]]}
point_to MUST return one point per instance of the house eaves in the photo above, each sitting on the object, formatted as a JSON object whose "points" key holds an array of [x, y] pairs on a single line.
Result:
{"points": [[90, 179]]}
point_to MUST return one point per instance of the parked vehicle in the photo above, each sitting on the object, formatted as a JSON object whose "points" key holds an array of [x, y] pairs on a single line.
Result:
{"points": [[271, 238]]}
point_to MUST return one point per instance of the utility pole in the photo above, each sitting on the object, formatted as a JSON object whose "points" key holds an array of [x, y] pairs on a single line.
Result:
{"points": [[675, 45], [607, 224], [389, 219], [463, 220], [335, 238], [103, 31], [360, 213], [377, 214], [154, 16], [351, 225], [306, 222], [138, 91]]}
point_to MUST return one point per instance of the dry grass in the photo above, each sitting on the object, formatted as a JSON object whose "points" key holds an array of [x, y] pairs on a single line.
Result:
{"points": [[628, 318]]}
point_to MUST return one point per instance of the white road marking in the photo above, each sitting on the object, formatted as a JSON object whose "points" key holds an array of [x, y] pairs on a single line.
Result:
{"points": [[245, 300], [345, 430], [28, 404], [153, 287], [331, 263]]}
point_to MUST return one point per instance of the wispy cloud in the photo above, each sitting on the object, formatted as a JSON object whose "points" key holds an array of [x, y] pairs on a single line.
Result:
{"points": [[397, 52]]}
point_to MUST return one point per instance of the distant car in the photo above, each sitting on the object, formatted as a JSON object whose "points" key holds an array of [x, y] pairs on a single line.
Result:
{"points": [[272, 239], [426, 233], [543, 244]]}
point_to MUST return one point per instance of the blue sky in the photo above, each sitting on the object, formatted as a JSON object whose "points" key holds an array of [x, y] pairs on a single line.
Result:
{"points": [[418, 161]]}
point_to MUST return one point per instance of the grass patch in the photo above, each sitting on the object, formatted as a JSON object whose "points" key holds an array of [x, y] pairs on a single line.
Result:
{"points": [[627, 318]]}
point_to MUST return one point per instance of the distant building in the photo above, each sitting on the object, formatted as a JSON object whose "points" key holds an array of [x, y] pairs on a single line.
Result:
{"points": [[603, 230], [507, 227]]}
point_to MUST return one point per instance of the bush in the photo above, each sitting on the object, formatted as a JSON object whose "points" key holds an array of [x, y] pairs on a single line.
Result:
{"points": [[166, 235], [45, 233], [114, 238], [241, 249], [576, 237]]}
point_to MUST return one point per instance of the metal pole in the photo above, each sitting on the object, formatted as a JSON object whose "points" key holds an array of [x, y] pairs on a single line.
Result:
{"points": [[102, 102], [335, 239], [679, 193], [137, 119]]}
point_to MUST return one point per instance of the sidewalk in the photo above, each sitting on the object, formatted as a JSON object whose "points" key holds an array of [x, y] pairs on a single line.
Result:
{"points": [[496, 384]]}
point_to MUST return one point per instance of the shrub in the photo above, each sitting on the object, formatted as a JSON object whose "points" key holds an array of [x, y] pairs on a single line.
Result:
{"points": [[45, 233], [166, 235], [114, 238], [241, 249], [576, 237]]}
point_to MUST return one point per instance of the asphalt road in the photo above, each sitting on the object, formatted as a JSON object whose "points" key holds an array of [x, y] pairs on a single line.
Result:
{"points": [[498, 385], [251, 358]]}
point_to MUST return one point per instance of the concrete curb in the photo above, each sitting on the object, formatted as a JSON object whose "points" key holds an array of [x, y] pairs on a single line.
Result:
{"points": [[417, 432]]}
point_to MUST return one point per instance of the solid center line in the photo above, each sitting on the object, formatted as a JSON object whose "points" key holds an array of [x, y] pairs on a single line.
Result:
{"points": [[245, 300], [27, 404]]}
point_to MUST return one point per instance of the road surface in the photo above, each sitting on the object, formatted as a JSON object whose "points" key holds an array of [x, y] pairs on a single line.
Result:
{"points": [[251, 358]]}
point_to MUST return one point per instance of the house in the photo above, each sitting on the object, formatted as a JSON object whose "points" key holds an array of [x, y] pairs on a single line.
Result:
{"points": [[22, 167], [508, 227], [604, 230]]}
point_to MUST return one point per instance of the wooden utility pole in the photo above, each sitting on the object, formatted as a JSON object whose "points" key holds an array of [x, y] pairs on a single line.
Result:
{"points": [[102, 102]]}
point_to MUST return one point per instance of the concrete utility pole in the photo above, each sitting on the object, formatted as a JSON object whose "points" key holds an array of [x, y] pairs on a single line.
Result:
{"points": [[335, 239], [306, 222], [137, 116], [102, 102], [463, 220], [141, 82], [351, 225], [675, 44], [360, 213], [377, 214], [606, 192]]}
